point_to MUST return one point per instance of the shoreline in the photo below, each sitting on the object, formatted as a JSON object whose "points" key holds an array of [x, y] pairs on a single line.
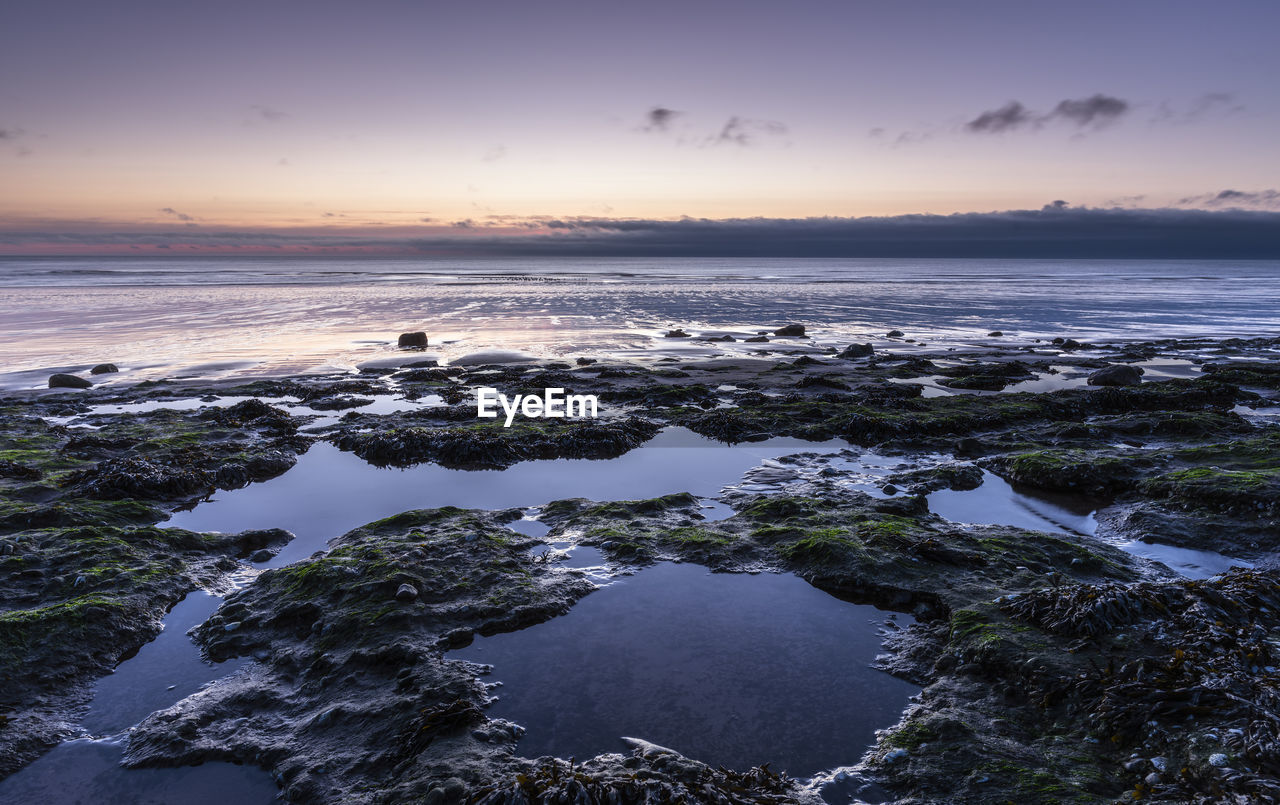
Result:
{"points": [[994, 605]]}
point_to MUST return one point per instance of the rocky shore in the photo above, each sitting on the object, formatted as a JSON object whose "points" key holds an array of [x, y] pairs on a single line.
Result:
{"points": [[1055, 667]]}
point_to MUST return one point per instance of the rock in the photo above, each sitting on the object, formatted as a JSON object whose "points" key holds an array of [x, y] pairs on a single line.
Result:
{"points": [[418, 339], [856, 351], [756, 339], [894, 334], [889, 489], [1153, 778], [1116, 375], [261, 555], [896, 755], [795, 330], [231, 627], [406, 593], [676, 333], [1160, 763], [994, 334], [104, 368], [1070, 344], [585, 361], [1218, 759], [428, 364], [61, 381]]}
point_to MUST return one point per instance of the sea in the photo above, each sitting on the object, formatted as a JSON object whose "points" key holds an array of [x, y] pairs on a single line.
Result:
{"points": [[229, 318]]}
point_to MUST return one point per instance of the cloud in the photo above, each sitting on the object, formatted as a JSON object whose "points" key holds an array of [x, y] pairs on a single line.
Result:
{"points": [[11, 135], [1096, 110], [1054, 231], [742, 131], [268, 113], [494, 153], [1234, 199], [181, 216], [1012, 115], [659, 118]]}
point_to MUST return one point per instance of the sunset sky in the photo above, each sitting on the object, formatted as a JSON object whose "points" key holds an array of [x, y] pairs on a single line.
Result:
{"points": [[132, 123]]}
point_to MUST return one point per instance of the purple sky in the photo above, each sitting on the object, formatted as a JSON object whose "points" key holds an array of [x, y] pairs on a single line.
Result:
{"points": [[351, 119]]}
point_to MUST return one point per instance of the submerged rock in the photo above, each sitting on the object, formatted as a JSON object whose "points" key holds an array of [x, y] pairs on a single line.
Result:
{"points": [[65, 381], [1116, 375]]}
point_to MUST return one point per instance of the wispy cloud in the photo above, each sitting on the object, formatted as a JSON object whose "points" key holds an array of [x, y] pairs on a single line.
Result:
{"points": [[1094, 111], [181, 216], [1013, 115], [659, 118], [268, 113], [743, 131], [1238, 199], [494, 153]]}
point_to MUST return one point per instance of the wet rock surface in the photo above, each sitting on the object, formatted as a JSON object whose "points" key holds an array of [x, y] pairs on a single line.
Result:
{"points": [[1055, 667]]}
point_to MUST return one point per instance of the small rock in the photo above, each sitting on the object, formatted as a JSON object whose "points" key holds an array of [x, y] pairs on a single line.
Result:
{"points": [[231, 627], [418, 339], [79, 580], [1116, 375], [406, 592], [896, 755], [676, 333], [1070, 343], [856, 351], [104, 368], [1218, 759], [889, 489], [63, 381], [795, 330], [894, 334], [1136, 765], [261, 555], [585, 361], [1152, 779], [756, 339], [994, 334], [1160, 763]]}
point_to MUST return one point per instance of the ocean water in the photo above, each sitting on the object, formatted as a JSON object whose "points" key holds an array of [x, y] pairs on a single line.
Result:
{"points": [[251, 317]]}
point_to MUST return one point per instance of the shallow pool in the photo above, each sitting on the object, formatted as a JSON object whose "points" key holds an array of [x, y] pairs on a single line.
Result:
{"points": [[730, 669]]}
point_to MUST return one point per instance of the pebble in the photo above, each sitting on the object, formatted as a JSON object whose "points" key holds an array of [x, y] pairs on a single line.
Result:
{"points": [[1161, 763], [407, 592], [1218, 759]]}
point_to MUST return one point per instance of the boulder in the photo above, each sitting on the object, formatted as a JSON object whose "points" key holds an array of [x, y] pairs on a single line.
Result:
{"points": [[61, 381], [795, 330], [418, 339], [856, 351], [104, 368], [1118, 374]]}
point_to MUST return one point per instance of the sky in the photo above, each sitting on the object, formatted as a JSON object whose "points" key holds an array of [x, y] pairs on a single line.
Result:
{"points": [[400, 126]]}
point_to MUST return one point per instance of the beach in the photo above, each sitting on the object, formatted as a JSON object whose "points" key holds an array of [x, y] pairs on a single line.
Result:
{"points": [[959, 513]]}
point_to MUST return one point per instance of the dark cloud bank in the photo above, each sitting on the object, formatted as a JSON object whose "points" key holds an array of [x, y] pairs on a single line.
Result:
{"points": [[1056, 231]]}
